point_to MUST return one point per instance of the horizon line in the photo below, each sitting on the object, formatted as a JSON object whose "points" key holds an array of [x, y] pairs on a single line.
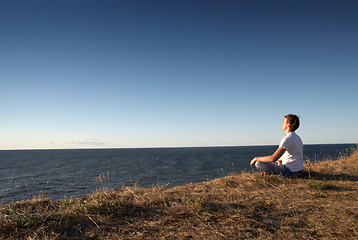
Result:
{"points": [[163, 147]]}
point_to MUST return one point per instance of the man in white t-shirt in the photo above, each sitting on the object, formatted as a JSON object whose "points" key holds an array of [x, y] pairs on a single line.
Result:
{"points": [[290, 149]]}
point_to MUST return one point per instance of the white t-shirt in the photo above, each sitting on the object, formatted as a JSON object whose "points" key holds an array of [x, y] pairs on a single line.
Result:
{"points": [[293, 156]]}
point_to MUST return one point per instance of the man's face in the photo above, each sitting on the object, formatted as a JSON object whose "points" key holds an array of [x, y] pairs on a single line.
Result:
{"points": [[284, 124]]}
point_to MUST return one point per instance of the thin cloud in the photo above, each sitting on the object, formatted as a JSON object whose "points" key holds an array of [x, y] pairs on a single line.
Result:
{"points": [[85, 141]]}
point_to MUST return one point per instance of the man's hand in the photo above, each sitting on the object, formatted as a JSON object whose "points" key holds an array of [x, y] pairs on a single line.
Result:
{"points": [[279, 162], [252, 163]]}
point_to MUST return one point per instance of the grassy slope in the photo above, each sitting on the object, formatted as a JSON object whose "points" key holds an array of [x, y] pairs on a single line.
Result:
{"points": [[322, 205]]}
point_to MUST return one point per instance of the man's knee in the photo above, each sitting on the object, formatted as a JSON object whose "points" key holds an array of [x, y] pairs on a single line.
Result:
{"points": [[258, 165], [264, 167]]}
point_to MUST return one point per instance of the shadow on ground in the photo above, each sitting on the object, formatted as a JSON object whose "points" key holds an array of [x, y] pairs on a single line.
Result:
{"points": [[328, 176]]}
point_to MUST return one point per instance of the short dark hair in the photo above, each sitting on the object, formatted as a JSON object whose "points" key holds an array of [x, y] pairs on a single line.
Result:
{"points": [[293, 120]]}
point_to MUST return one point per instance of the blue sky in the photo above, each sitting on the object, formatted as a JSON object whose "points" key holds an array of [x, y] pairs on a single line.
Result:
{"points": [[103, 74]]}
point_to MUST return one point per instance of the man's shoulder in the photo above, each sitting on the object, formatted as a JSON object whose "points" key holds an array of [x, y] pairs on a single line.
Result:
{"points": [[284, 141], [291, 137]]}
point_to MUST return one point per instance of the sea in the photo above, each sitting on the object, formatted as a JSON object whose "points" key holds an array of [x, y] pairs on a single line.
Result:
{"points": [[59, 174]]}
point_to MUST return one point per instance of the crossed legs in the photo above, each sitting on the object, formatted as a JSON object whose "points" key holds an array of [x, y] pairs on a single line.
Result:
{"points": [[274, 168]]}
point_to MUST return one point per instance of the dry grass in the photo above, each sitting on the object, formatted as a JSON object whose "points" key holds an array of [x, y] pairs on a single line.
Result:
{"points": [[321, 205]]}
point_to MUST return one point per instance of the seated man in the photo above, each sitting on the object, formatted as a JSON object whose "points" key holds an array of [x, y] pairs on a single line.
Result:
{"points": [[290, 149]]}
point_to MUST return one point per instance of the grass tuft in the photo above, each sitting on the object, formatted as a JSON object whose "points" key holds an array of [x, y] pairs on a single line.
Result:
{"points": [[321, 186]]}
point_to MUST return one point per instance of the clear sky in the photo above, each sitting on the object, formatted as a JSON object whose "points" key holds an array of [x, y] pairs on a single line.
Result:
{"points": [[103, 74]]}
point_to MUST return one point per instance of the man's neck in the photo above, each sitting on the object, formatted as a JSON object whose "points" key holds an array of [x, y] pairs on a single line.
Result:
{"points": [[288, 131]]}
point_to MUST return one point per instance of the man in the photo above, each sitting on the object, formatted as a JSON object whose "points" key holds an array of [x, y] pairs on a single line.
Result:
{"points": [[290, 149]]}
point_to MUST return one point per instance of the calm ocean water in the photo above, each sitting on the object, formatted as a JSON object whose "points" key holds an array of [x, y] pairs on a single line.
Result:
{"points": [[78, 173]]}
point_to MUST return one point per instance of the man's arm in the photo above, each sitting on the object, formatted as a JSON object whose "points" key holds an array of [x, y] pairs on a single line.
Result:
{"points": [[270, 158]]}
